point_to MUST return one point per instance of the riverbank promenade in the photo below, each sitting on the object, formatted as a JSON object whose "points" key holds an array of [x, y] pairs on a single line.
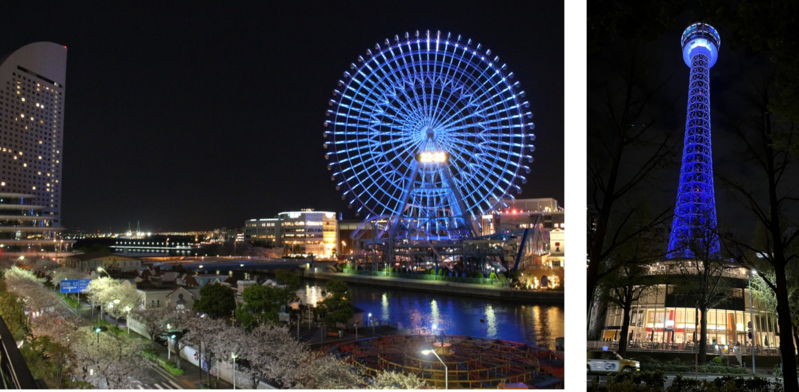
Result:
{"points": [[442, 286]]}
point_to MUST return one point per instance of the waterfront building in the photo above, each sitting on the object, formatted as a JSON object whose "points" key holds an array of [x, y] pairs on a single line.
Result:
{"points": [[301, 232], [265, 230], [523, 214], [346, 228], [88, 262], [663, 315], [32, 93], [157, 245]]}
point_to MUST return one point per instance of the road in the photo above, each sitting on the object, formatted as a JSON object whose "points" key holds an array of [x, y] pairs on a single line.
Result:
{"points": [[670, 377]]}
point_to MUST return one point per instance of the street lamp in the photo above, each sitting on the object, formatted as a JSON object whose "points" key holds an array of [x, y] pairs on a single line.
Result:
{"points": [[446, 370], [234, 356], [100, 269], [751, 318], [97, 330]]}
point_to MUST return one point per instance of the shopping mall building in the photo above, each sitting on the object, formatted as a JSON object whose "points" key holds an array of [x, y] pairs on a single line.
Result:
{"points": [[664, 316]]}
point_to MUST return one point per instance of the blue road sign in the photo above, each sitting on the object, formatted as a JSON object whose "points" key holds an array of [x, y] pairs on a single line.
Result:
{"points": [[75, 286]]}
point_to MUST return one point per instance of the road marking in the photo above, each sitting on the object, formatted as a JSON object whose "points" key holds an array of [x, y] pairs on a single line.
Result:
{"points": [[176, 385], [158, 386]]}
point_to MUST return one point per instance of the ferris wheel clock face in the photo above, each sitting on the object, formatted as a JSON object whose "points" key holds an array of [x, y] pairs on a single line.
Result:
{"points": [[429, 125]]}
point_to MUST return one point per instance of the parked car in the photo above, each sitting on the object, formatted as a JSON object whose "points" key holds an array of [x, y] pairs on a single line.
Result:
{"points": [[610, 362]]}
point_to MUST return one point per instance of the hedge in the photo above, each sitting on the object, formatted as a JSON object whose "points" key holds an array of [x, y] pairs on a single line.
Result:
{"points": [[655, 382], [168, 365]]}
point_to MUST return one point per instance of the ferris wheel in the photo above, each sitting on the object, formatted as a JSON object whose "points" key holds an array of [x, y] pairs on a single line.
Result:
{"points": [[430, 131]]}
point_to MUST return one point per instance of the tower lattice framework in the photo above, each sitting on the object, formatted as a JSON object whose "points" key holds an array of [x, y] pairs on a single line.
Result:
{"points": [[695, 222]]}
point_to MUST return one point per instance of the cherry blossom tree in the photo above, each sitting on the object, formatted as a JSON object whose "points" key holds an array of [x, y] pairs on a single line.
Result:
{"points": [[396, 380], [66, 273], [324, 371], [123, 298], [205, 332], [275, 356], [112, 361], [101, 292], [153, 319]]}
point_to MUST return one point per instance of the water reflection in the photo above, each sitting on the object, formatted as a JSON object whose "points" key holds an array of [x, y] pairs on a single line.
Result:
{"points": [[434, 313], [491, 320], [420, 312]]}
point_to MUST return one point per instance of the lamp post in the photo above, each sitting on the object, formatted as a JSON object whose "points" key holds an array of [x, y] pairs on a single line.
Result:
{"points": [[446, 370], [127, 319], [751, 318], [234, 356], [168, 338], [373, 324], [114, 304]]}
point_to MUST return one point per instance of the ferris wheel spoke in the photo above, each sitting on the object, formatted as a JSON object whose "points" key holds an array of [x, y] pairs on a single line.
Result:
{"points": [[408, 72], [467, 180], [444, 79], [499, 155], [374, 155], [419, 77], [477, 100], [390, 88], [399, 78], [488, 114]]}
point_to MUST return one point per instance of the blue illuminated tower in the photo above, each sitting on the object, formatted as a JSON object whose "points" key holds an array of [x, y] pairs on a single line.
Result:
{"points": [[695, 212]]}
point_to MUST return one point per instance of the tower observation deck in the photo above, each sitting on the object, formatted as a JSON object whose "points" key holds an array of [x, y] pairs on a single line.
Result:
{"points": [[695, 212]]}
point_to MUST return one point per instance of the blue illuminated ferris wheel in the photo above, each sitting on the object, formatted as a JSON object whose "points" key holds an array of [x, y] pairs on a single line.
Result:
{"points": [[428, 133]]}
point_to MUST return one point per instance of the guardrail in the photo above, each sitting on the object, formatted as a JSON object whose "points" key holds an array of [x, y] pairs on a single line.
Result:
{"points": [[643, 347], [14, 371], [457, 279]]}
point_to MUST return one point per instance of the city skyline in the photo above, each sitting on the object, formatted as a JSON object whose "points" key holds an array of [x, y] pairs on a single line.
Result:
{"points": [[181, 127]]}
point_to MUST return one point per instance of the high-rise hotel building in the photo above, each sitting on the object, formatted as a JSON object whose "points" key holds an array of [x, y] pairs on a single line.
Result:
{"points": [[32, 90]]}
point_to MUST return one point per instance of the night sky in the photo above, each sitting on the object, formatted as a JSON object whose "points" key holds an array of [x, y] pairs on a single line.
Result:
{"points": [[190, 116]]}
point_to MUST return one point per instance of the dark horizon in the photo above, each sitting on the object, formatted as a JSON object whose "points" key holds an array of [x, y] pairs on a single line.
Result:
{"points": [[194, 117]]}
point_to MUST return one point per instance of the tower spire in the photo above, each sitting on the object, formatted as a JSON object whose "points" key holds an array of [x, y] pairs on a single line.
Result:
{"points": [[695, 211]]}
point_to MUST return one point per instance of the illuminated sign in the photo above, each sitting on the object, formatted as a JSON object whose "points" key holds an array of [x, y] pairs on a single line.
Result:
{"points": [[432, 157]]}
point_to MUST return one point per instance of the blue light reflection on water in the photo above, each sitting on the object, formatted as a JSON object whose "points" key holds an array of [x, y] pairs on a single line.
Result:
{"points": [[455, 315]]}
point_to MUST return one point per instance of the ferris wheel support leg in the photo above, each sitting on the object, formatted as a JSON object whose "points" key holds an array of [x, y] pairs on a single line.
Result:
{"points": [[462, 207], [406, 194]]}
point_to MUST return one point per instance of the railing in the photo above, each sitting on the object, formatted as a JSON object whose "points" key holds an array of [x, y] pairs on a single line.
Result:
{"points": [[422, 276], [14, 371], [683, 348]]}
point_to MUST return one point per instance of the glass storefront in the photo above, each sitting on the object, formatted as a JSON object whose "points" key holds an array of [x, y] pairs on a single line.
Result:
{"points": [[653, 322]]}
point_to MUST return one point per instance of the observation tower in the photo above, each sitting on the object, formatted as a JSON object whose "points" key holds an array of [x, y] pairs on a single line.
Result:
{"points": [[695, 211]]}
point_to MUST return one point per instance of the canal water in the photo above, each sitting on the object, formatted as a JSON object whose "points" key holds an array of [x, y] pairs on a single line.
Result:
{"points": [[455, 315]]}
